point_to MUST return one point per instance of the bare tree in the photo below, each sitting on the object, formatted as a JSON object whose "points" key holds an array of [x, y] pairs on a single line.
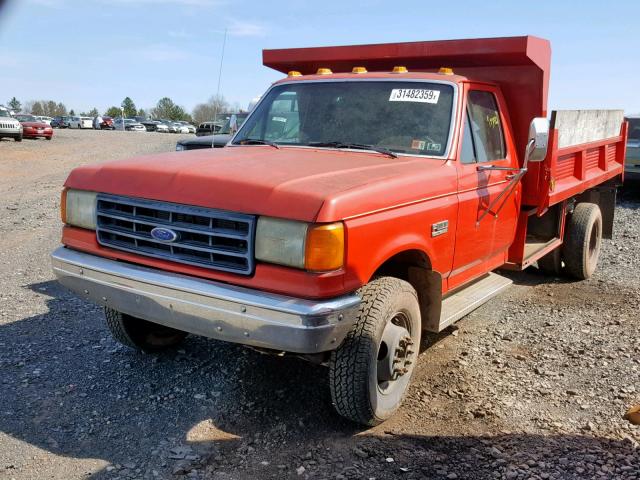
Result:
{"points": [[206, 111]]}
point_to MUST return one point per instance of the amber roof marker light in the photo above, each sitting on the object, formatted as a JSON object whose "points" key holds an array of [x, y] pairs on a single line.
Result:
{"points": [[294, 73], [445, 71], [399, 69], [324, 71], [359, 70]]}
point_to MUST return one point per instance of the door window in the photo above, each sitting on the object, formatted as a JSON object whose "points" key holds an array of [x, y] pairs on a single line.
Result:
{"points": [[485, 126]]}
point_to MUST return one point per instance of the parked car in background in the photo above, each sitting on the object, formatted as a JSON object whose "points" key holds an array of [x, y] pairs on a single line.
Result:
{"points": [[217, 140], [155, 126], [150, 125], [632, 160], [130, 125], [105, 124], [61, 121], [180, 128], [9, 126], [44, 119], [34, 128], [162, 128], [190, 127], [81, 122], [208, 128]]}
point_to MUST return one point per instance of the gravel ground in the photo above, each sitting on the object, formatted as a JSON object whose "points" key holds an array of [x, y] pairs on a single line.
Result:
{"points": [[532, 385]]}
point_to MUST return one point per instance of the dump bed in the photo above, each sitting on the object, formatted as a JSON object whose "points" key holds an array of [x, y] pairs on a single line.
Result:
{"points": [[586, 148]]}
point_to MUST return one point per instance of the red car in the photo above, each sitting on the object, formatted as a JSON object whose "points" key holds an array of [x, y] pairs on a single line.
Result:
{"points": [[106, 124], [33, 128]]}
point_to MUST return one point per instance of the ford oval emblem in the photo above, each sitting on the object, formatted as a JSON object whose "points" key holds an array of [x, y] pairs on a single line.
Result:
{"points": [[164, 235]]}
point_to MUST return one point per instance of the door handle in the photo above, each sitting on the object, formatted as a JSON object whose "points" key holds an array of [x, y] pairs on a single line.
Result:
{"points": [[510, 176]]}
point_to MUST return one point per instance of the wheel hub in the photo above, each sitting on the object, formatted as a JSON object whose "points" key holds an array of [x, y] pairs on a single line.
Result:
{"points": [[395, 353]]}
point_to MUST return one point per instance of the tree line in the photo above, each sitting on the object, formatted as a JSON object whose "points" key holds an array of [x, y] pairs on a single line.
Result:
{"points": [[166, 108]]}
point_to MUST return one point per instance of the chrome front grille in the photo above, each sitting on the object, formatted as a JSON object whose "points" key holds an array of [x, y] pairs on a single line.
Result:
{"points": [[7, 125], [206, 237]]}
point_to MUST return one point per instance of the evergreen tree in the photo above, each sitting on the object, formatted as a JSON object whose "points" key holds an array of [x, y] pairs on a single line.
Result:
{"points": [[15, 105], [129, 108]]}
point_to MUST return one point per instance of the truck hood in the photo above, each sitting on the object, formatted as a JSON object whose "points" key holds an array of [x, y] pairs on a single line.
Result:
{"points": [[299, 183]]}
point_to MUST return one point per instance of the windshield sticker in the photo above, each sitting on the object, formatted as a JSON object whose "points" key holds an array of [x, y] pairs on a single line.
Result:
{"points": [[434, 147], [418, 144], [279, 119], [414, 95]]}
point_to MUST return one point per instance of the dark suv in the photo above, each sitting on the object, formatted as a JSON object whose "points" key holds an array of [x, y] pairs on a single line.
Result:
{"points": [[61, 121]]}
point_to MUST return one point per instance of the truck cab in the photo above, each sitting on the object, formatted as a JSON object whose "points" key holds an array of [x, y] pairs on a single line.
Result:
{"points": [[366, 201]]}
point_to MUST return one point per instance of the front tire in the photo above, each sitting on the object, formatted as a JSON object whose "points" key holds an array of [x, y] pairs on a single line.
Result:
{"points": [[371, 370], [18, 138], [583, 240], [140, 334]]}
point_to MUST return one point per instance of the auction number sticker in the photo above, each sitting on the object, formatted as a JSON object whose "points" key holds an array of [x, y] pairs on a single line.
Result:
{"points": [[414, 95]]}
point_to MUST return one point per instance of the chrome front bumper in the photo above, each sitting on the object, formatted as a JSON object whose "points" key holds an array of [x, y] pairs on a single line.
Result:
{"points": [[208, 308]]}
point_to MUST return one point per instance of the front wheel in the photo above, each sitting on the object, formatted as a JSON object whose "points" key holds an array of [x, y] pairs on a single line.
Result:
{"points": [[370, 372], [140, 334], [18, 138]]}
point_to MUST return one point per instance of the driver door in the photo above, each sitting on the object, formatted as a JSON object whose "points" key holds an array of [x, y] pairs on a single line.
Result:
{"points": [[482, 238]]}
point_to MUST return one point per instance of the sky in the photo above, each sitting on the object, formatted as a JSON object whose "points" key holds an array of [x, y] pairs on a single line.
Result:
{"points": [[93, 53]]}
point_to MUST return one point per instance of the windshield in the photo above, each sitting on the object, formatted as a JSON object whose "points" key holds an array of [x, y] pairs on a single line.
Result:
{"points": [[26, 118], [402, 117], [4, 112], [634, 129]]}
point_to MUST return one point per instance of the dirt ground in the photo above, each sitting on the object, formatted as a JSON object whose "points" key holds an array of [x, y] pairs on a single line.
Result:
{"points": [[532, 385]]}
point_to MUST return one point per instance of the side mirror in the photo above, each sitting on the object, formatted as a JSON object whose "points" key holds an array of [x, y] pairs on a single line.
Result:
{"points": [[538, 140]]}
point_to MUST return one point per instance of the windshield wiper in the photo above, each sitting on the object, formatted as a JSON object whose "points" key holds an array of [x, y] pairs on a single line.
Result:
{"points": [[257, 141], [356, 146]]}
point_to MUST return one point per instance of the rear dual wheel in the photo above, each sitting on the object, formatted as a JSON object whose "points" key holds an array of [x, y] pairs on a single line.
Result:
{"points": [[583, 241], [370, 372], [578, 256]]}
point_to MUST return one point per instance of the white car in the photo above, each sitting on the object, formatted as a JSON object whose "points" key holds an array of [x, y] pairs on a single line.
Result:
{"points": [[44, 119], [190, 128], [130, 125], [81, 122]]}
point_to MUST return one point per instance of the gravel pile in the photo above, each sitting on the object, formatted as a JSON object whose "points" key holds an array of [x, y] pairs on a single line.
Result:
{"points": [[533, 385]]}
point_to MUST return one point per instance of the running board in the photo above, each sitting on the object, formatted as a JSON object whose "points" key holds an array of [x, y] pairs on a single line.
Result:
{"points": [[461, 303]]}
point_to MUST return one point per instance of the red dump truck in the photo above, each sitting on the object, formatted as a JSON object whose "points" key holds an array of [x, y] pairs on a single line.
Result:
{"points": [[367, 199]]}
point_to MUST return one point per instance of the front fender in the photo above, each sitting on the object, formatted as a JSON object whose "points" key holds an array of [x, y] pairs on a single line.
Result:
{"points": [[373, 239]]}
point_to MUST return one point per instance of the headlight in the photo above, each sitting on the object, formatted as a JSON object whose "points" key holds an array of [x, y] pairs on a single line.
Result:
{"points": [[78, 208], [179, 147], [299, 244]]}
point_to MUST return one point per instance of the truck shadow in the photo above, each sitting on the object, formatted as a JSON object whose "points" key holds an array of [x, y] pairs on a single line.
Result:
{"points": [[69, 389]]}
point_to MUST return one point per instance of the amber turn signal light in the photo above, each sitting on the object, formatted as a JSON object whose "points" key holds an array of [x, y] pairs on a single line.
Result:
{"points": [[63, 205], [325, 247]]}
